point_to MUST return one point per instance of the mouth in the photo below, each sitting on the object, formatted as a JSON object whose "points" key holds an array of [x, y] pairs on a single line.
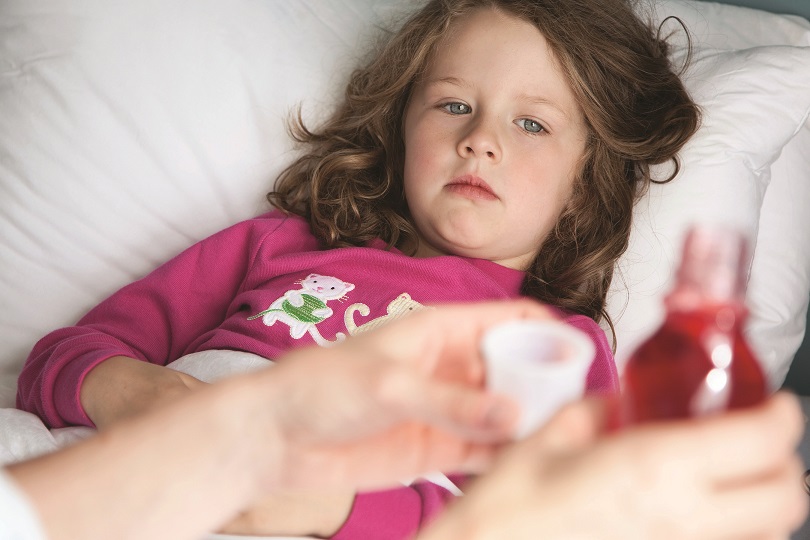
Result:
{"points": [[471, 187]]}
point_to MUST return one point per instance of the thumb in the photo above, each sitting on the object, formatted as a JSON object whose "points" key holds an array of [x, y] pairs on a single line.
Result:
{"points": [[575, 427]]}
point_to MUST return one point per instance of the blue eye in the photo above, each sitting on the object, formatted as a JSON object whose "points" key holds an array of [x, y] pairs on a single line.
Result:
{"points": [[457, 108], [530, 125]]}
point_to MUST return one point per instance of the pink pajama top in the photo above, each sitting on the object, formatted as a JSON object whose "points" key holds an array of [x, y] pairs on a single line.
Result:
{"points": [[264, 286]]}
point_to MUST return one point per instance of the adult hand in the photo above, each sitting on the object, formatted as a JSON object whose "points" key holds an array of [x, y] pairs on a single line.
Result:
{"points": [[731, 476], [402, 400], [381, 407]]}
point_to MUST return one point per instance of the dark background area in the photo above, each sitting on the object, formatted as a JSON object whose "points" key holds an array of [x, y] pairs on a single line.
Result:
{"points": [[794, 7], [798, 377]]}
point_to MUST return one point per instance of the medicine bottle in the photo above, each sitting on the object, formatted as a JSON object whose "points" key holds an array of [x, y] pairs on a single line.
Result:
{"points": [[698, 362]]}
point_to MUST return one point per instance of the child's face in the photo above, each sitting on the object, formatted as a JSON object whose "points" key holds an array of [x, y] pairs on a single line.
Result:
{"points": [[493, 136]]}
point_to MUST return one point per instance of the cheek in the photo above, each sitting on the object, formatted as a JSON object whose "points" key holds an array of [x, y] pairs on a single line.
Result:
{"points": [[567, 189], [420, 156], [542, 200], [566, 175], [424, 135], [564, 194]]}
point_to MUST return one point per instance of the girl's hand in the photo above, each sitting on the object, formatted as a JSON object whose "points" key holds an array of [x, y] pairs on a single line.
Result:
{"points": [[121, 387], [294, 514]]}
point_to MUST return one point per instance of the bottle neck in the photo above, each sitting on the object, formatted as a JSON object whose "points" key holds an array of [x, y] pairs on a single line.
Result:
{"points": [[712, 271], [685, 299]]}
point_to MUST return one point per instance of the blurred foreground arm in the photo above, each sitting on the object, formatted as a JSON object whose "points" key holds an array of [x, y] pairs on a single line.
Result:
{"points": [[327, 418]]}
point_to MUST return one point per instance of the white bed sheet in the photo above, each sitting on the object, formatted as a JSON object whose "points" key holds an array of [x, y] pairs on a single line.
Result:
{"points": [[23, 435]]}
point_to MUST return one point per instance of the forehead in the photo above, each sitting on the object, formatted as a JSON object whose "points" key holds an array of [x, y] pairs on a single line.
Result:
{"points": [[488, 44], [487, 28]]}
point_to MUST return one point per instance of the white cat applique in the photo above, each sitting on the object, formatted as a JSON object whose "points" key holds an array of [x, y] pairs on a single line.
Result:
{"points": [[399, 307], [304, 308]]}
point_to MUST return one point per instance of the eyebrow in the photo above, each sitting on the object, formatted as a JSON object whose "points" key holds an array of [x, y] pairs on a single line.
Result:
{"points": [[538, 100], [447, 80]]}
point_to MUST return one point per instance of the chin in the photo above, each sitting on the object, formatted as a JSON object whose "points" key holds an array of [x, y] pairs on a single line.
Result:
{"points": [[470, 252], [459, 240], [463, 239]]}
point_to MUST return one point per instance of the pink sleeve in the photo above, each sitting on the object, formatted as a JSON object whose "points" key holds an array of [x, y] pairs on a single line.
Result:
{"points": [[395, 514], [603, 378], [153, 319]]}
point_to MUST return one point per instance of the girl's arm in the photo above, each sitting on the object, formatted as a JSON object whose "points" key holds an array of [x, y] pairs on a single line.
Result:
{"points": [[153, 320], [120, 387]]}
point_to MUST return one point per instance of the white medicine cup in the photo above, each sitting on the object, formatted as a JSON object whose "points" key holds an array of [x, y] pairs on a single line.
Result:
{"points": [[542, 365]]}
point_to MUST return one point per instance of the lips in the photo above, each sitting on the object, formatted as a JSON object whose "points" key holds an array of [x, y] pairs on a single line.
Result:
{"points": [[472, 187]]}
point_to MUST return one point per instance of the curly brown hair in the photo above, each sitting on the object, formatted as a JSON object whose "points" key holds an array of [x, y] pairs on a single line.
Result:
{"points": [[348, 183]]}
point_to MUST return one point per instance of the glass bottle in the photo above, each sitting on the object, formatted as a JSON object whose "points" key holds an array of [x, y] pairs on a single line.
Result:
{"points": [[698, 362]]}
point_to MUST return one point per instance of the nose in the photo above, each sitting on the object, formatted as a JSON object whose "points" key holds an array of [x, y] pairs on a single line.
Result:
{"points": [[481, 141]]}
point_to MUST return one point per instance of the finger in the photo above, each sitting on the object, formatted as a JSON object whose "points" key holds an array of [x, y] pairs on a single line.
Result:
{"points": [[453, 345], [765, 437], [462, 364], [485, 314], [458, 324], [469, 413], [447, 453], [478, 318], [769, 507], [738, 444], [379, 471]]}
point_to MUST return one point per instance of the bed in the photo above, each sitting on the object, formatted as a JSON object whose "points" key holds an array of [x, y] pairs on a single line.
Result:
{"points": [[131, 129]]}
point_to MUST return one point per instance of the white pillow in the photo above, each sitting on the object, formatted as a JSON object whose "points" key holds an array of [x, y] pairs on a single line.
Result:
{"points": [[780, 274], [131, 129], [779, 282], [754, 102]]}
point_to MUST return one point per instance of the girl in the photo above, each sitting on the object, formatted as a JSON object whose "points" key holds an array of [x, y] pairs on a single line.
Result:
{"points": [[492, 149]]}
